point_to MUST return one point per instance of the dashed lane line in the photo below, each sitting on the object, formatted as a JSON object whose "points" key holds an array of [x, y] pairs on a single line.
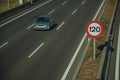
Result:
{"points": [[74, 11], [30, 26], [36, 50], [83, 2], [60, 25], [3, 45], [51, 11], [64, 3]]}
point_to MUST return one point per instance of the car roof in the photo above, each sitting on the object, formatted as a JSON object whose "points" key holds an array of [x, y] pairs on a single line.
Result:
{"points": [[44, 16]]}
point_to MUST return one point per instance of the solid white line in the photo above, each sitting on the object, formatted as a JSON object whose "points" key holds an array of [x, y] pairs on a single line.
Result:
{"points": [[74, 11], [30, 26], [51, 12], [74, 57], [117, 58], [98, 10], [77, 50], [60, 25], [36, 50], [25, 13], [64, 3], [4, 44], [83, 2]]}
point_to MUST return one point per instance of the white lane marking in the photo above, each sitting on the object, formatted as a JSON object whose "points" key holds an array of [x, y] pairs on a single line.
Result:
{"points": [[30, 26], [74, 11], [36, 50], [74, 56], [51, 12], [60, 25], [4, 44], [98, 10], [83, 2], [117, 58], [25, 13], [64, 3]]}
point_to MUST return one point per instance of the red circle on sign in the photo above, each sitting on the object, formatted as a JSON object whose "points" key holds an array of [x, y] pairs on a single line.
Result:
{"points": [[92, 34]]}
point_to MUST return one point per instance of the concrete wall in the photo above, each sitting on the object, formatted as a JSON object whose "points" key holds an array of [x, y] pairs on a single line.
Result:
{"points": [[27, 0]]}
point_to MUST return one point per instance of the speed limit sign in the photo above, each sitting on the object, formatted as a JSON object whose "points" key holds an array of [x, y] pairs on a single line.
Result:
{"points": [[94, 29]]}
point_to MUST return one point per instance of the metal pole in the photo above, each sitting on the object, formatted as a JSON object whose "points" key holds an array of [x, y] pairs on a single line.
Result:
{"points": [[94, 52], [31, 2], [8, 4], [21, 2]]}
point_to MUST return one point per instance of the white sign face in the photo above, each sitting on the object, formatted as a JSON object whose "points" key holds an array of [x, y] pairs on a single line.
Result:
{"points": [[94, 29]]}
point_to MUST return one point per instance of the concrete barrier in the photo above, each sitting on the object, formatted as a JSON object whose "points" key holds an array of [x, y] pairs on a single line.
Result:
{"points": [[18, 9]]}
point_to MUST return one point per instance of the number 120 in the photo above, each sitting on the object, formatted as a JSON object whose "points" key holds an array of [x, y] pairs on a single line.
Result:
{"points": [[94, 29]]}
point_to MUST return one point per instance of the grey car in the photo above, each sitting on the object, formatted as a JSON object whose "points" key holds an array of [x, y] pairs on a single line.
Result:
{"points": [[44, 22]]}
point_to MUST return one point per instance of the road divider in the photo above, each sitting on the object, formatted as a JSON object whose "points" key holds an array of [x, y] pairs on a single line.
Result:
{"points": [[3, 45], [36, 50]]}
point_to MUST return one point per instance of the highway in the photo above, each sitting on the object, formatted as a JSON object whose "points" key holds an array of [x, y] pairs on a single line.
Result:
{"points": [[26, 54]]}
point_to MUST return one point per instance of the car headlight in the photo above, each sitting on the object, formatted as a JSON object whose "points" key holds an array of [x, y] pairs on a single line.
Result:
{"points": [[47, 26]]}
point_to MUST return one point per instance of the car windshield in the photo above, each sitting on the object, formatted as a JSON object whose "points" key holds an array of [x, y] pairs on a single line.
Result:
{"points": [[43, 19]]}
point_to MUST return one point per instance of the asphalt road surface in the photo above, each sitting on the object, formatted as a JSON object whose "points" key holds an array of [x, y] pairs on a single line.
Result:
{"points": [[26, 54]]}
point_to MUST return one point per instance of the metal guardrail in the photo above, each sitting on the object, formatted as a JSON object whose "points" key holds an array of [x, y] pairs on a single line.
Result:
{"points": [[18, 9], [117, 65], [103, 70]]}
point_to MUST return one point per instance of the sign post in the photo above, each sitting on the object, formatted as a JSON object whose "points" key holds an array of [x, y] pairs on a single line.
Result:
{"points": [[21, 2], [94, 30], [94, 50], [31, 2]]}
